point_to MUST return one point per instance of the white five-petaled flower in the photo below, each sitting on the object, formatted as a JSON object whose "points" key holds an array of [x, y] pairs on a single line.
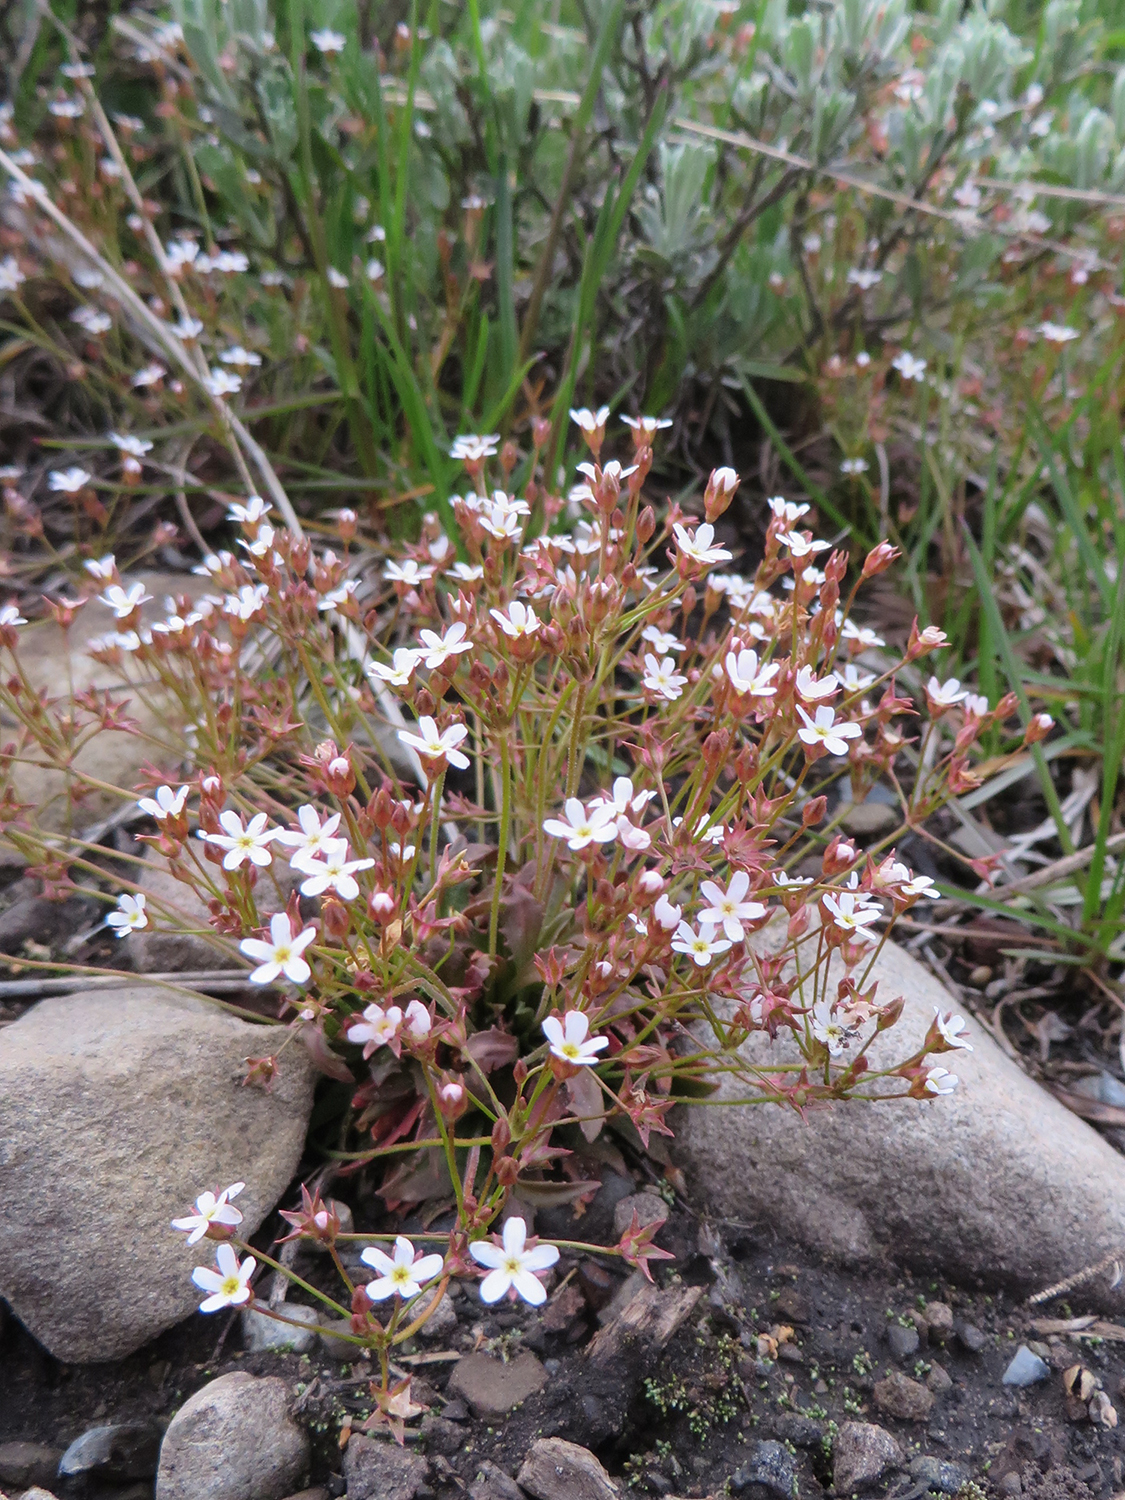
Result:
{"points": [[700, 946], [802, 546], [828, 1028], [471, 448], [332, 870], [941, 1081], [254, 511], [854, 466], [125, 442], [148, 375], [11, 277], [581, 828], [748, 677], [250, 842], [409, 573], [811, 688], [68, 481], [376, 1028], [229, 1285], [730, 908], [589, 421], [662, 641], [241, 358], [863, 635], [130, 915], [952, 1030], [187, 328], [400, 669], [624, 798], [945, 694], [439, 648], [211, 1210], [282, 954], [786, 510], [124, 601], [662, 678], [10, 615], [921, 885], [649, 426], [521, 620], [512, 1265], [909, 366], [1057, 333], [222, 383], [434, 746], [328, 42], [403, 1274], [864, 279], [852, 913], [311, 836], [826, 730], [165, 804], [570, 1041], [699, 548]]}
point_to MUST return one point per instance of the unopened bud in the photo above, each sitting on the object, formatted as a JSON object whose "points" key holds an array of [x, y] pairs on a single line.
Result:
{"points": [[540, 431], [836, 568], [347, 523], [650, 883], [381, 906], [646, 525], [813, 810], [501, 1135], [336, 917], [879, 559], [720, 492], [1038, 729]]}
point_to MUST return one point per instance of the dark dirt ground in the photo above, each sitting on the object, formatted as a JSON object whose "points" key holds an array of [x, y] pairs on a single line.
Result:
{"points": [[681, 1421]]}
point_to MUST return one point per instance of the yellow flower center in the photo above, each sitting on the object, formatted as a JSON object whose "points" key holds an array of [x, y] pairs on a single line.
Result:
{"points": [[231, 1284]]}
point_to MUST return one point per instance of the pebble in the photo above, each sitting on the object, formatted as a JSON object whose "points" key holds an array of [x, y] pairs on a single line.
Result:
{"points": [[939, 1474], [769, 1474], [899, 1396], [25, 1464], [939, 1379], [233, 1440], [117, 1451], [491, 1483], [650, 1208], [557, 1470], [801, 1431], [491, 1387], [862, 1454], [971, 1338], [440, 1435], [903, 1341], [939, 1320], [1011, 1485], [382, 1470], [262, 1334], [1026, 1368], [338, 1348], [441, 1323]]}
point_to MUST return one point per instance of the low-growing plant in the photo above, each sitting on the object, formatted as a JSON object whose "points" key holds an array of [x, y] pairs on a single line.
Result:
{"points": [[542, 818]]}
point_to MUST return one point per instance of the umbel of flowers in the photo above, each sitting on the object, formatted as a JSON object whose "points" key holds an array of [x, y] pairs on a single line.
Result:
{"points": [[523, 799]]}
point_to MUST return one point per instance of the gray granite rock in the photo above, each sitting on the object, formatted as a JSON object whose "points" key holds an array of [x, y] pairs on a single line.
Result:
{"points": [[862, 1454], [116, 1110], [382, 1470], [997, 1181]]}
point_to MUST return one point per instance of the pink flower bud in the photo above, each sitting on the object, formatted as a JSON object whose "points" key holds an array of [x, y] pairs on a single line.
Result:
{"points": [[1039, 728], [381, 905], [720, 492], [650, 883]]}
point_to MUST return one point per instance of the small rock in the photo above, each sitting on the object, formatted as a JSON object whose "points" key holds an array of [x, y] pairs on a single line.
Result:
{"points": [[770, 1473], [557, 1470], [456, 1411], [650, 1208], [899, 1396], [1026, 1368], [971, 1338], [441, 1323], [336, 1347], [491, 1387], [25, 1464], [491, 1483], [116, 1451], [37, 1493], [1011, 1484], [939, 1379], [866, 819], [944, 1477], [441, 1435], [262, 1334], [233, 1440], [801, 1431], [382, 1470], [791, 1306], [563, 1308], [318, 1492], [939, 1319], [903, 1341], [862, 1454]]}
